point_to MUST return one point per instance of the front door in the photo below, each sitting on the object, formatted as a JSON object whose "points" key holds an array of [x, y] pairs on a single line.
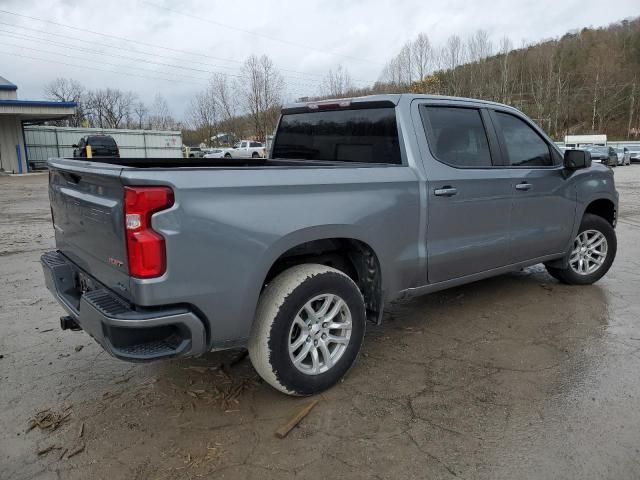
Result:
{"points": [[544, 202], [469, 196]]}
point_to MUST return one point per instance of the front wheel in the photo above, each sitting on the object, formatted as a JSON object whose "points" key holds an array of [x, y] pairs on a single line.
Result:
{"points": [[308, 329], [592, 253]]}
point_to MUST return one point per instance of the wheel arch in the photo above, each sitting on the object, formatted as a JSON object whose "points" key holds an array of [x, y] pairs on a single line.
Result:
{"points": [[602, 207], [347, 253]]}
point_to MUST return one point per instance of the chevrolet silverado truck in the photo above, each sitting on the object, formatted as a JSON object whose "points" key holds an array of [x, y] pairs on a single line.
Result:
{"points": [[360, 202]]}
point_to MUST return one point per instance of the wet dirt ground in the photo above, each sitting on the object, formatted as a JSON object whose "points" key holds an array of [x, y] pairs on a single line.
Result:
{"points": [[512, 377]]}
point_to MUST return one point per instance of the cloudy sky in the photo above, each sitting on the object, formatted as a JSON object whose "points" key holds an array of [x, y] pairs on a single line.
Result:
{"points": [[171, 47]]}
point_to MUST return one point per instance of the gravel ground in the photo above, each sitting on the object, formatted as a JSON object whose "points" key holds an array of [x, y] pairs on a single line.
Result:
{"points": [[512, 377]]}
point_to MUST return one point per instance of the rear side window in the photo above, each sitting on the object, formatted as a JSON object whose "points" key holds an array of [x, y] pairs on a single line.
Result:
{"points": [[255, 145], [525, 148], [457, 136], [368, 135]]}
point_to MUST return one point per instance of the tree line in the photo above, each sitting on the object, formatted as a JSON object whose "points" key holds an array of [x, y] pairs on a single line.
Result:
{"points": [[110, 107], [584, 82]]}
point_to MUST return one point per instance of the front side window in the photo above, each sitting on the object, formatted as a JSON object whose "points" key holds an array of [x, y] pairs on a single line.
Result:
{"points": [[524, 147], [457, 136], [368, 135]]}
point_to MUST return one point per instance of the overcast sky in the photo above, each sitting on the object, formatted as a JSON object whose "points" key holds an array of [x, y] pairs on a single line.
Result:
{"points": [[304, 38]]}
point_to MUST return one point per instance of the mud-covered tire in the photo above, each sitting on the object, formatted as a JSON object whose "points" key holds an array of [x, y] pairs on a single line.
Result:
{"points": [[568, 275], [281, 303]]}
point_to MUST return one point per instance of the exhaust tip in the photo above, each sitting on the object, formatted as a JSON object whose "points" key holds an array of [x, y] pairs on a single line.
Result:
{"points": [[68, 323]]}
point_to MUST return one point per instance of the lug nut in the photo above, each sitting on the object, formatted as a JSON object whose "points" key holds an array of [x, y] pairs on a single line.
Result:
{"points": [[315, 342], [324, 335]]}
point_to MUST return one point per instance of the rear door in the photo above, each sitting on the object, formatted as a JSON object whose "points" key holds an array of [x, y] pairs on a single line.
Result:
{"points": [[544, 202], [242, 152], [87, 209], [469, 192]]}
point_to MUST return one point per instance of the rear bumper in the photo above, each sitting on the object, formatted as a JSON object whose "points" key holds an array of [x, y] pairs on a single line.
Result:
{"points": [[125, 331]]}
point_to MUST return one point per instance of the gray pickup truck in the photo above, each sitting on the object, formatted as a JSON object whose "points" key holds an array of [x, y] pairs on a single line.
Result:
{"points": [[362, 201]]}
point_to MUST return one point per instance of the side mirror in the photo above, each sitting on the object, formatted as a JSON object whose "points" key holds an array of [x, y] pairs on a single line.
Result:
{"points": [[576, 159], [74, 145]]}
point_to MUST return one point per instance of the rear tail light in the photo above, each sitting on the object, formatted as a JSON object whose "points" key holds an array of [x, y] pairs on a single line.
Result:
{"points": [[145, 247]]}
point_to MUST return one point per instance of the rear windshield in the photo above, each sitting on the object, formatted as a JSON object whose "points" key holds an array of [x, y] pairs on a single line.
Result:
{"points": [[102, 142], [359, 135]]}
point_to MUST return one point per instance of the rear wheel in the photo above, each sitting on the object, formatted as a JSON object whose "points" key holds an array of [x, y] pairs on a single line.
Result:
{"points": [[308, 329], [255, 155], [592, 253], [227, 155]]}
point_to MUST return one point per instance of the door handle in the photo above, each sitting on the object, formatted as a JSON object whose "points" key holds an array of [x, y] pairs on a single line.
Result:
{"points": [[445, 191], [524, 186]]}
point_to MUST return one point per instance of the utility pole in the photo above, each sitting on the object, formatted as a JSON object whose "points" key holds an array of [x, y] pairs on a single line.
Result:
{"points": [[595, 101], [631, 107]]}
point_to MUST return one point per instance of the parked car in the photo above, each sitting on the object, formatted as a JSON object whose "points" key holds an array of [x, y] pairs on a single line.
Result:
{"points": [[605, 155], [634, 153], [246, 149], [215, 153], [624, 157], [101, 146], [195, 152], [292, 255]]}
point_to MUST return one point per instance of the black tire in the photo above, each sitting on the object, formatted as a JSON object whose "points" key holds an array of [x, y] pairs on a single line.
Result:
{"points": [[255, 155], [280, 303], [568, 275], [227, 155]]}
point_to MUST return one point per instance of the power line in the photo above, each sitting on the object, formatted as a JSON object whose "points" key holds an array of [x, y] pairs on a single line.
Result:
{"points": [[136, 59], [113, 72], [84, 67], [262, 35], [137, 42]]}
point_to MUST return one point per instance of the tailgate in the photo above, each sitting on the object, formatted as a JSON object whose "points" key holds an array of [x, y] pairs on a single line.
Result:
{"points": [[87, 207]]}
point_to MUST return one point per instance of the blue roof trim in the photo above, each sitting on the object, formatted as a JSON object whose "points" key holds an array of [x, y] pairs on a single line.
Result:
{"points": [[36, 103], [8, 87]]}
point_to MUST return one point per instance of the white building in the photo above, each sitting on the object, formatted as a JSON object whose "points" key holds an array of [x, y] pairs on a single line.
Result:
{"points": [[14, 114]]}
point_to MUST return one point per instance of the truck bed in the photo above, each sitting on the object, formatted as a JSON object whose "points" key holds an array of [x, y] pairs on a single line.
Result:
{"points": [[220, 163]]}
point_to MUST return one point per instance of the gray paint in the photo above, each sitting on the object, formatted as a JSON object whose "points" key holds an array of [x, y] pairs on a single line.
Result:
{"points": [[228, 226]]}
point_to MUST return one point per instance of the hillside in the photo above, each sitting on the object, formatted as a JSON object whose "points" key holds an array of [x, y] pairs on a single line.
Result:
{"points": [[584, 82]]}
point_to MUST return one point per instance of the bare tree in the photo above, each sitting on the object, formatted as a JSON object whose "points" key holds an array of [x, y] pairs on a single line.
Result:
{"points": [[203, 114], [337, 84], [227, 102], [68, 90], [452, 56], [140, 111], [505, 47], [161, 118], [262, 92], [421, 56]]}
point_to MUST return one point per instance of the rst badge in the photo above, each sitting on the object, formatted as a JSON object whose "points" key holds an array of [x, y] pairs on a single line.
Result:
{"points": [[116, 262]]}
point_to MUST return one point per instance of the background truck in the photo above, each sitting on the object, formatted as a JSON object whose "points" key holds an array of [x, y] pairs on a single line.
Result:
{"points": [[364, 201], [244, 149]]}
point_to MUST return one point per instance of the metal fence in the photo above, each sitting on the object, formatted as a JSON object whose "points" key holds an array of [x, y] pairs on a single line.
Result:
{"points": [[43, 142]]}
